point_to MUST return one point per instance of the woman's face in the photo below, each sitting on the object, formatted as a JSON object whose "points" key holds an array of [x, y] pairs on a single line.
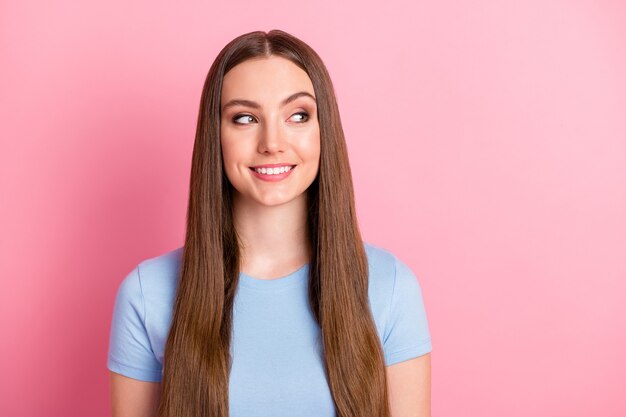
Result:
{"points": [[269, 131]]}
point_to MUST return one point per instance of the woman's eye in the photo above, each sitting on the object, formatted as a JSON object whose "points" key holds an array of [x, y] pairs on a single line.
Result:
{"points": [[243, 119], [300, 117]]}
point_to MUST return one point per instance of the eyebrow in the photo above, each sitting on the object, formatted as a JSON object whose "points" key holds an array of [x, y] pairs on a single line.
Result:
{"points": [[255, 105]]}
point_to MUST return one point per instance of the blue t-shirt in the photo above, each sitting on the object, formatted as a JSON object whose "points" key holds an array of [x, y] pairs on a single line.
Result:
{"points": [[277, 363]]}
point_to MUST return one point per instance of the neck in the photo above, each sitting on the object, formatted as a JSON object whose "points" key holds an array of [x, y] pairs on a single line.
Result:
{"points": [[274, 240]]}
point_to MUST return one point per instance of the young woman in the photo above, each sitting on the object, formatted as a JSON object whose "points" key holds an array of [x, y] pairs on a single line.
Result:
{"points": [[274, 306]]}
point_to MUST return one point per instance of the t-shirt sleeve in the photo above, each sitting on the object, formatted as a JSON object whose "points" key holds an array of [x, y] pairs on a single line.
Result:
{"points": [[130, 352], [406, 334]]}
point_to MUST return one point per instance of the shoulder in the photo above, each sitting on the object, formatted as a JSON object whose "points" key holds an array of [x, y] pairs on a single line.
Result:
{"points": [[397, 306], [151, 284], [386, 268], [141, 317], [162, 265], [379, 259], [387, 275], [161, 269], [159, 276]]}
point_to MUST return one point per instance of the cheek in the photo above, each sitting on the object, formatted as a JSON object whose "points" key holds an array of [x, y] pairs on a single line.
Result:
{"points": [[311, 147], [229, 159], [226, 153], [315, 154], [232, 149]]}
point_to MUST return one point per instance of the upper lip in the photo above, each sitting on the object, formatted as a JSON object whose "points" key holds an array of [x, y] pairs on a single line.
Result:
{"points": [[273, 165]]}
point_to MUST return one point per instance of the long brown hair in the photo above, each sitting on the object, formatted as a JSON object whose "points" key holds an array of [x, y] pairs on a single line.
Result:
{"points": [[197, 353]]}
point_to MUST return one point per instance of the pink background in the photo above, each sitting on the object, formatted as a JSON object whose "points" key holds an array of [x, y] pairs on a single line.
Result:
{"points": [[488, 145]]}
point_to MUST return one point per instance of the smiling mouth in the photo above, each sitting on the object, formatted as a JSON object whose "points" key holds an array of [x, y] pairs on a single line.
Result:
{"points": [[273, 170]]}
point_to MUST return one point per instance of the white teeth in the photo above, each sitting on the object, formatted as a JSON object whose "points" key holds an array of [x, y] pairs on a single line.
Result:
{"points": [[273, 171]]}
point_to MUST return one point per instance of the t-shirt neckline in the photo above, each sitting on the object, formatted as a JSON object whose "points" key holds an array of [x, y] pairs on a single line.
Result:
{"points": [[298, 276]]}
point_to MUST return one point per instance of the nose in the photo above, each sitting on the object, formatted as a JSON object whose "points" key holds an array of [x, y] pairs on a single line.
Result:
{"points": [[272, 138]]}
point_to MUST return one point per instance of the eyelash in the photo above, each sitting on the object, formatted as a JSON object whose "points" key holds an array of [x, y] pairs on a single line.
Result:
{"points": [[303, 113], [239, 116]]}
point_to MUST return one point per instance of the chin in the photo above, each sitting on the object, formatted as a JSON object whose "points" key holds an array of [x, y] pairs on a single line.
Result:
{"points": [[275, 201]]}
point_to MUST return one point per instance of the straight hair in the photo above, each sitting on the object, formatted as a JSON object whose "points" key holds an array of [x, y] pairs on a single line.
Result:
{"points": [[197, 358]]}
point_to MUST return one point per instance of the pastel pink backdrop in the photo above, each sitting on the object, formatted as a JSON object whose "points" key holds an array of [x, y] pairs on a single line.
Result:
{"points": [[487, 141]]}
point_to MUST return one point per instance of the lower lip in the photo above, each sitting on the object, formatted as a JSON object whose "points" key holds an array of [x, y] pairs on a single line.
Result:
{"points": [[273, 177]]}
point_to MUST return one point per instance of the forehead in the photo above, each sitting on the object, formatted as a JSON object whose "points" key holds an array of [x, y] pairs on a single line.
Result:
{"points": [[265, 79]]}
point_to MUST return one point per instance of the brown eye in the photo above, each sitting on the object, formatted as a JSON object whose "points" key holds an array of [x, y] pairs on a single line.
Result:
{"points": [[243, 119], [300, 117]]}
